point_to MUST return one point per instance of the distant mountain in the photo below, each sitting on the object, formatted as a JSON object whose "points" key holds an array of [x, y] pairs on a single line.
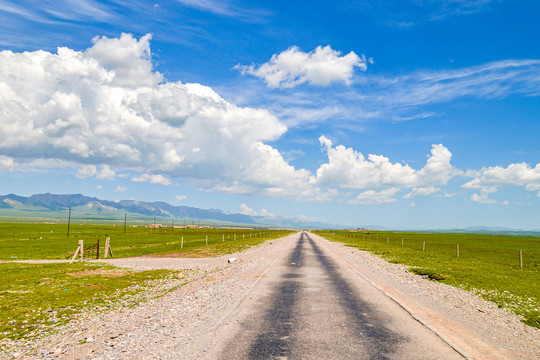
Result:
{"points": [[94, 208]]}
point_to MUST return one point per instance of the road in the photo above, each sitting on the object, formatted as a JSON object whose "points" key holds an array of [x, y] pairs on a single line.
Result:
{"points": [[311, 305]]}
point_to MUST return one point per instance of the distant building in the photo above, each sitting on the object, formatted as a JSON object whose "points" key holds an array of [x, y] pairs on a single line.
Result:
{"points": [[155, 226]]}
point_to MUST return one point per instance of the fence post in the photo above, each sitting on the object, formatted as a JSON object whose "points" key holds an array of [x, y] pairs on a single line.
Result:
{"points": [[520, 260], [97, 252], [81, 253], [206, 239], [424, 246], [182, 243], [401, 242]]}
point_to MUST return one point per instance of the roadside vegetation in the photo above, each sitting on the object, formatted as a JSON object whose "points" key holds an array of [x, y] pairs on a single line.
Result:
{"points": [[488, 265], [37, 298]]}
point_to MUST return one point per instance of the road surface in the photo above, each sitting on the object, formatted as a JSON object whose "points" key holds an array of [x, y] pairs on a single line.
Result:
{"points": [[310, 305]]}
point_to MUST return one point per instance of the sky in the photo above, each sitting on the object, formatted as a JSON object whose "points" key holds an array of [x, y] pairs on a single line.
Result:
{"points": [[405, 114]]}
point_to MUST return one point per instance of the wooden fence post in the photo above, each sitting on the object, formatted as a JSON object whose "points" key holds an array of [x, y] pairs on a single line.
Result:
{"points": [[182, 243], [206, 239], [520, 260], [424, 246], [107, 251], [97, 251], [79, 252], [401, 242]]}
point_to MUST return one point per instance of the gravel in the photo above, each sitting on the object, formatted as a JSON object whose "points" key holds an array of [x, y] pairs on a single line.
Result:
{"points": [[177, 325]]}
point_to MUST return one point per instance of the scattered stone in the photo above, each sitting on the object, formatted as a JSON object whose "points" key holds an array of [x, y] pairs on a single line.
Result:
{"points": [[231, 260]]}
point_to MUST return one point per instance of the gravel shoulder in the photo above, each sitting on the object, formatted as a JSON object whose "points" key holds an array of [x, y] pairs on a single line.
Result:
{"points": [[179, 324]]}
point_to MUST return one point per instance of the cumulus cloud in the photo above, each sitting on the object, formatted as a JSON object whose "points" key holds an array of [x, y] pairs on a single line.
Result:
{"points": [[6, 163], [483, 197], [152, 179], [179, 198], [520, 174], [421, 191], [375, 197], [91, 170], [120, 189], [107, 105], [348, 168], [320, 67], [246, 210]]}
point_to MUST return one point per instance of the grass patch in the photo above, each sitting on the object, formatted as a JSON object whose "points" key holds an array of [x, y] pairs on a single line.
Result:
{"points": [[428, 274], [488, 265], [37, 298], [22, 241]]}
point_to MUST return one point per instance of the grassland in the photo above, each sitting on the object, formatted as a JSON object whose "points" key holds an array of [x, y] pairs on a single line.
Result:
{"points": [[20, 241], [36, 298], [487, 264]]}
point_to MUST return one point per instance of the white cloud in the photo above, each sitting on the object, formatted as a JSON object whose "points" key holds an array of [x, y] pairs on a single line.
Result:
{"points": [[86, 171], [152, 179], [266, 213], [421, 191], [106, 173], [107, 107], [506, 202], [246, 210], [412, 204], [375, 197], [99, 187], [483, 197], [348, 168], [226, 8], [180, 198], [120, 189], [520, 174], [90, 170], [320, 67], [6, 163]]}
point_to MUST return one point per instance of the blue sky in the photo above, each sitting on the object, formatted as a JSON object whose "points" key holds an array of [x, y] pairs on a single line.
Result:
{"points": [[417, 114]]}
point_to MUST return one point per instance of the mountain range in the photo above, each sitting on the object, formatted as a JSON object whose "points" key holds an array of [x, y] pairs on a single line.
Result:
{"points": [[91, 208]]}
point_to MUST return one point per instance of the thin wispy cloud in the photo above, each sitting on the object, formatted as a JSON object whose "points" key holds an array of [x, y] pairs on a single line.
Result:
{"points": [[401, 97], [226, 8], [414, 12]]}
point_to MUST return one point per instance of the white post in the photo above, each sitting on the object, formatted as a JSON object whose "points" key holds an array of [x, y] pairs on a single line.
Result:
{"points": [[107, 248], [424, 247], [81, 245], [401, 242], [223, 237], [206, 239], [182, 243], [234, 237]]}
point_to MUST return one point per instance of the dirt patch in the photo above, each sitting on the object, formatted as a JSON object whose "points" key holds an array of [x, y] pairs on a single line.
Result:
{"points": [[100, 272]]}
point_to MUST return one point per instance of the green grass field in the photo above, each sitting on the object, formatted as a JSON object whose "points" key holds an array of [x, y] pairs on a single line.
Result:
{"points": [[20, 241], [487, 264], [36, 298]]}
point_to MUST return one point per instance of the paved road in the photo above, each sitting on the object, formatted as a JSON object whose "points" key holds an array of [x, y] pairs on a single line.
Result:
{"points": [[309, 305]]}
